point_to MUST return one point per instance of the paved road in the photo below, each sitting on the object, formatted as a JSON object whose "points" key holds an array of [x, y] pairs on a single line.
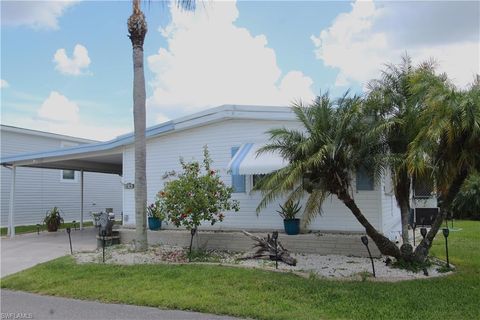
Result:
{"points": [[26, 250], [21, 305]]}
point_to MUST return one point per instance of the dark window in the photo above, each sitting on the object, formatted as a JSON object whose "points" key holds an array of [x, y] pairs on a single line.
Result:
{"points": [[364, 180], [422, 188], [256, 178], [68, 175]]}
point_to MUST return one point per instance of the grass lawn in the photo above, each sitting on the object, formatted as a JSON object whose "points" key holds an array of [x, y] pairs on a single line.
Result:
{"points": [[268, 295], [33, 228]]}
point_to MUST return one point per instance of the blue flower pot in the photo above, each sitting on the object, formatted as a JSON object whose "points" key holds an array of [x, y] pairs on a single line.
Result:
{"points": [[292, 226], [154, 223]]}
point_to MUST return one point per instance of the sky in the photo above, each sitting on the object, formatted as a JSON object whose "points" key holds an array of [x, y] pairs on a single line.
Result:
{"points": [[66, 66]]}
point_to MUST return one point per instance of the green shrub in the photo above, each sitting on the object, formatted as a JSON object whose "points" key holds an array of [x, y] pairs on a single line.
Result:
{"points": [[467, 202]]}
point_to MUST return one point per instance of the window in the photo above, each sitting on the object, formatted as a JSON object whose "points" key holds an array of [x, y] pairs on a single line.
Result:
{"points": [[238, 181], [256, 178], [423, 188], [68, 175], [364, 180]]}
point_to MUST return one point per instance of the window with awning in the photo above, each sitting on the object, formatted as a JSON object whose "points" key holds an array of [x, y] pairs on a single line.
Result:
{"points": [[246, 161]]}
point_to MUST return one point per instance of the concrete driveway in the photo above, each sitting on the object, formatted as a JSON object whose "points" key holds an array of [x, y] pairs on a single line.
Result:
{"points": [[25, 251], [22, 305]]}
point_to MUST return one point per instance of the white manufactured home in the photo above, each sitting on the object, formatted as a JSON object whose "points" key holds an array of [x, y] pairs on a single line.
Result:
{"points": [[38, 190], [230, 132]]}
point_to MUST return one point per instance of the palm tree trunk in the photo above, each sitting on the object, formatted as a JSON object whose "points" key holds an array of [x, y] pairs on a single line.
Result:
{"points": [[137, 28], [421, 252], [402, 194], [384, 244]]}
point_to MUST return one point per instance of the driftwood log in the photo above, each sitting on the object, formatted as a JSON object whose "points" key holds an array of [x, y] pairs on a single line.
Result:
{"points": [[266, 249]]}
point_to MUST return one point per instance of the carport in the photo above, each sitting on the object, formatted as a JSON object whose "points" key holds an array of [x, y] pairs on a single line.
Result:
{"points": [[104, 157]]}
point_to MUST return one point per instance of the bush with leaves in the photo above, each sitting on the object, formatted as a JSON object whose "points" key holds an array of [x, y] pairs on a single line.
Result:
{"points": [[467, 202], [196, 195]]}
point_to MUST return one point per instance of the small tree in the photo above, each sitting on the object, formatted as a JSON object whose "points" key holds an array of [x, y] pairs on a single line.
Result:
{"points": [[196, 195]]}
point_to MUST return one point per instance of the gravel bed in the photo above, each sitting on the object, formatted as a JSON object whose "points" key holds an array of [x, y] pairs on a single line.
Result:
{"points": [[328, 266]]}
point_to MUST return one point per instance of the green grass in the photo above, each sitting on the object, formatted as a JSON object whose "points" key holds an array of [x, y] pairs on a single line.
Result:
{"points": [[33, 228], [268, 295]]}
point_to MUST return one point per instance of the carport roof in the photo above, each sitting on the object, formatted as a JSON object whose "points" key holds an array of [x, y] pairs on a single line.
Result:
{"points": [[107, 156]]}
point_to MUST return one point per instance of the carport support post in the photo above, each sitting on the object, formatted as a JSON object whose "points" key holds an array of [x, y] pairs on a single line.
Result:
{"points": [[81, 199], [11, 224]]}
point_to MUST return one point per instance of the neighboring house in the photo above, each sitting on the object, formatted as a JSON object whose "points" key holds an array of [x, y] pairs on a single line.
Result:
{"points": [[38, 190], [230, 132]]}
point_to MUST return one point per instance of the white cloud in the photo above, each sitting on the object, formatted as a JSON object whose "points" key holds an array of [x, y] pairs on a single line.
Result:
{"points": [[210, 61], [58, 114], [58, 108], [358, 43], [4, 84], [34, 14], [75, 65]]}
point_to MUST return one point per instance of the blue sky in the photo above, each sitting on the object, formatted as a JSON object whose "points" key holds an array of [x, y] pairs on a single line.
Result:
{"points": [[66, 66]]}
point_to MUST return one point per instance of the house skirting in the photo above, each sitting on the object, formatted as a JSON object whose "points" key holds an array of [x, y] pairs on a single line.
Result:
{"points": [[317, 243]]}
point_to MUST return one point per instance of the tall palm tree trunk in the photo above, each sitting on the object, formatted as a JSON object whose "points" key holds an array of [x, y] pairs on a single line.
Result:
{"points": [[421, 252], [384, 244], [137, 28]]}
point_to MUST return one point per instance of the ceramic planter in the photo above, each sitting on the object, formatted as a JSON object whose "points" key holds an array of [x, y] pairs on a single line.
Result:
{"points": [[292, 226]]}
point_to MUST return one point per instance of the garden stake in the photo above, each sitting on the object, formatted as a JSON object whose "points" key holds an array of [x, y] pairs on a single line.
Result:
{"points": [[365, 242], [414, 225], [445, 234], [70, 239], [104, 233]]}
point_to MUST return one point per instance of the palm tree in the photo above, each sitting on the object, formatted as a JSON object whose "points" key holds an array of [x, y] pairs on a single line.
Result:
{"points": [[322, 158], [137, 29], [396, 109], [448, 144]]}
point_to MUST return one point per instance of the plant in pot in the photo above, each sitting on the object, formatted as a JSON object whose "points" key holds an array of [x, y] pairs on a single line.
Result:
{"points": [[53, 219], [155, 215], [288, 212]]}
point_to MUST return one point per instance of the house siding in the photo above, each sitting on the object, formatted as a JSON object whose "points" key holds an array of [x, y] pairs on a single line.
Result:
{"points": [[391, 219], [38, 190], [163, 153]]}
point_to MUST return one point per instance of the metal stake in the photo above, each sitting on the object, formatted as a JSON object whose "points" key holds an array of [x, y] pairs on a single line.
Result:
{"points": [[365, 242], [103, 244], [414, 225], [70, 239], [445, 234]]}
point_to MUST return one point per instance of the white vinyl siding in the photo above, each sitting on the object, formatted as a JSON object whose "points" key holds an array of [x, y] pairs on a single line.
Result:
{"points": [[391, 220], [163, 153]]}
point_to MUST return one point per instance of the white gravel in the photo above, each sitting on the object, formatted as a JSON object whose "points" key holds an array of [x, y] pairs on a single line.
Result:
{"points": [[329, 266]]}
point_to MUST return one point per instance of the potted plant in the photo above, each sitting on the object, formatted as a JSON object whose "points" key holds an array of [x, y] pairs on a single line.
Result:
{"points": [[288, 212], [53, 219], [155, 215]]}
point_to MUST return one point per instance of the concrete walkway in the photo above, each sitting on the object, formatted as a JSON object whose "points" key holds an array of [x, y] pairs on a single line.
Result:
{"points": [[21, 305], [26, 250]]}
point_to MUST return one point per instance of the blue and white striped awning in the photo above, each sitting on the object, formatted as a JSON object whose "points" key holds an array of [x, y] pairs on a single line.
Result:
{"points": [[247, 162]]}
